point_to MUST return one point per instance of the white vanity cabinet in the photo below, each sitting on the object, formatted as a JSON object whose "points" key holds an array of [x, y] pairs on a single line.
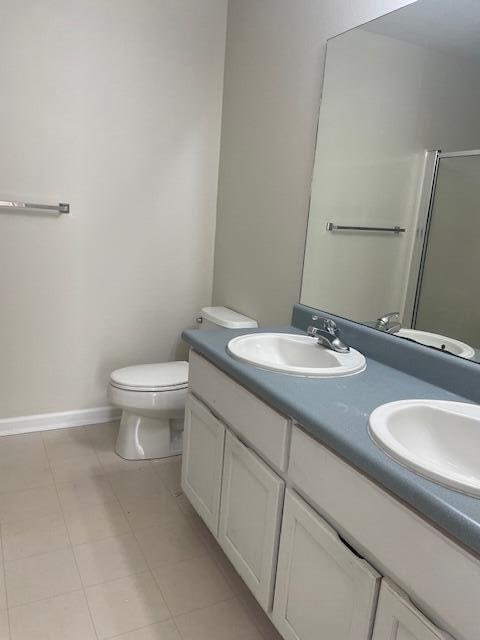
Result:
{"points": [[236, 493], [398, 619], [203, 444], [250, 513], [240, 454], [323, 589]]}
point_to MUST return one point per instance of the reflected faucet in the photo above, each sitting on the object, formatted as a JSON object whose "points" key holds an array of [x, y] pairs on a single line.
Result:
{"points": [[328, 335], [385, 323]]}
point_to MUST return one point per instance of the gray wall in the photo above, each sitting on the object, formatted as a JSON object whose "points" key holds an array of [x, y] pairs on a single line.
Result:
{"points": [[116, 108], [272, 84]]}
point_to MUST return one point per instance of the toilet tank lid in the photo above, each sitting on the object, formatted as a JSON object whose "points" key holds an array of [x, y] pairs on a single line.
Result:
{"points": [[224, 317]]}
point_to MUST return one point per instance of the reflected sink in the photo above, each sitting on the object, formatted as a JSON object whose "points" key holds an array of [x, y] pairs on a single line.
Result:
{"points": [[294, 354], [440, 342], [437, 439]]}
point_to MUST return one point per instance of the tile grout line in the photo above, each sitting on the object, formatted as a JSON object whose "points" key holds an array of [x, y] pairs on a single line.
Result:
{"points": [[7, 608], [207, 553], [70, 540], [147, 626], [242, 601], [257, 626], [116, 500], [235, 595], [147, 563], [44, 599], [38, 553], [4, 560], [150, 571], [106, 474], [207, 606], [51, 462]]}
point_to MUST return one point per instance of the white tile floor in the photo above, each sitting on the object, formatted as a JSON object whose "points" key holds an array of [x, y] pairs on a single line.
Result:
{"points": [[96, 547]]}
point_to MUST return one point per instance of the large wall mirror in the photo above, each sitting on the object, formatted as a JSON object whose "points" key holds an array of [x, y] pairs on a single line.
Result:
{"points": [[394, 224]]}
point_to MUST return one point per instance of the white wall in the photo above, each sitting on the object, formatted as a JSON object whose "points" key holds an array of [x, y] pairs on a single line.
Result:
{"points": [[374, 129], [114, 107], [273, 77]]}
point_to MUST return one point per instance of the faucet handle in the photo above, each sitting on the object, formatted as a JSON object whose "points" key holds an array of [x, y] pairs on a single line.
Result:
{"points": [[327, 325], [330, 326], [384, 321], [389, 316]]}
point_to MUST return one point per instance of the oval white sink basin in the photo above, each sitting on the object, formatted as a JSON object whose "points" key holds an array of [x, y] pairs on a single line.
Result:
{"points": [[440, 342], [294, 354], [437, 439]]}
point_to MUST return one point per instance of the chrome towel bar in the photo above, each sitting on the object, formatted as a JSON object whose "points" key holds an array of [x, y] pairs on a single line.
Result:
{"points": [[341, 227], [61, 207]]}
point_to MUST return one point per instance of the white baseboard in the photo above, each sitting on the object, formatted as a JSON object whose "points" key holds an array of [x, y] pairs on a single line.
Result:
{"points": [[62, 420]]}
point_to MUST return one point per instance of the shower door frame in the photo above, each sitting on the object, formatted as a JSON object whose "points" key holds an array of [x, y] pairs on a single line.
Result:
{"points": [[422, 232]]}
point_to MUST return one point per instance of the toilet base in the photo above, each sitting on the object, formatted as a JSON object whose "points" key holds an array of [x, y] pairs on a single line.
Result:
{"points": [[145, 438]]}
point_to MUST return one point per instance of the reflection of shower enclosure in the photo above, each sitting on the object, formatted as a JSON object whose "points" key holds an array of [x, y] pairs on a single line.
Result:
{"points": [[447, 298]]}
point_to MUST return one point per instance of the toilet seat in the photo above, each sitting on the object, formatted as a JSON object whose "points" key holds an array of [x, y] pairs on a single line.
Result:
{"points": [[164, 376]]}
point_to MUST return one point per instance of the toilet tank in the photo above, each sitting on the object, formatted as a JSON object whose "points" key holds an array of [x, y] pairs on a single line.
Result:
{"points": [[211, 317]]}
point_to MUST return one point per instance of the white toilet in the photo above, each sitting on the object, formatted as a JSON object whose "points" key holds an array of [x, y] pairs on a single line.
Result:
{"points": [[152, 397]]}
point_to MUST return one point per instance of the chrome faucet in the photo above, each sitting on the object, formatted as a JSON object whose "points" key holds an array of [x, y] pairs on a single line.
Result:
{"points": [[385, 323], [328, 335]]}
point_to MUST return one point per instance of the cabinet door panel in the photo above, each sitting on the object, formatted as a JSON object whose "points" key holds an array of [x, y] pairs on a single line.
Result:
{"points": [[202, 464], [323, 590], [398, 619], [250, 517]]}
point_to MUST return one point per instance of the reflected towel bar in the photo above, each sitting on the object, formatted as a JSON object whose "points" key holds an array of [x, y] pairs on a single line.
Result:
{"points": [[61, 207], [340, 227]]}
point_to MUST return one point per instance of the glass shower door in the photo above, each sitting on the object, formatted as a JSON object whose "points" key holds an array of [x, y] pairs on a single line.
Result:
{"points": [[448, 298]]}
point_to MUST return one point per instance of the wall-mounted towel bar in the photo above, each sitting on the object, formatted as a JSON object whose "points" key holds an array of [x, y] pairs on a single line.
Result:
{"points": [[341, 227], [61, 207]]}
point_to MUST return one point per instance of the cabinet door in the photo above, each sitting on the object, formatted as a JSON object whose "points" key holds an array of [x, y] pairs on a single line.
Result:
{"points": [[323, 589], [398, 619], [202, 463], [250, 517]]}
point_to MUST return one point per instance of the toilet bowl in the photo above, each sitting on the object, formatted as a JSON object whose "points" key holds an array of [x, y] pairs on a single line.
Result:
{"points": [[152, 397]]}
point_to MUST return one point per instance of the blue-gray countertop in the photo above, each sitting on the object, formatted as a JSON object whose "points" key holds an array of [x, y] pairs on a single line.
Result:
{"points": [[335, 412]]}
